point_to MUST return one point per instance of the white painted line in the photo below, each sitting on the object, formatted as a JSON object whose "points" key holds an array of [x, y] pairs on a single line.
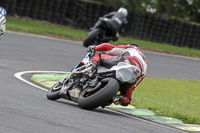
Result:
{"points": [[147, 121], [172, 55], [19, 76], [42, 36]]}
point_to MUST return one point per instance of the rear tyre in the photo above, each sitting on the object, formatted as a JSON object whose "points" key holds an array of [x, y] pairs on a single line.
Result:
{"points": [[107, 91], [91, 37], [54, 92]]}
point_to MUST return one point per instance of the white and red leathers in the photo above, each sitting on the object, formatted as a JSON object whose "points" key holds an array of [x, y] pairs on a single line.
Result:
{"points": [[108, 55]]}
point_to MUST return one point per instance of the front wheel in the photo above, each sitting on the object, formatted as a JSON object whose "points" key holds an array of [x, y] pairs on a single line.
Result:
{"points": [[54, 92], [109, 88], [91, 37]]}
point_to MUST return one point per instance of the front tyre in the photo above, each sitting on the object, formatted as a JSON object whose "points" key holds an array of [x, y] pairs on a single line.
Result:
{"points": [[91, 37], [107, 91], [54, 92]]}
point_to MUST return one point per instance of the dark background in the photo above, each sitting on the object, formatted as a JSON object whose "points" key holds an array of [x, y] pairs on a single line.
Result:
{"points": [[84, 14]]}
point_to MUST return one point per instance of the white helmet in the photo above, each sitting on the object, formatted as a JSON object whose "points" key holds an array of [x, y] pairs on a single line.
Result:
{"points": [[2, 25], [123, 10]]}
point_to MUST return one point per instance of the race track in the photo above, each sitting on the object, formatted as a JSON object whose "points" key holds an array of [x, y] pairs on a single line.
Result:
{"points": [[24, 109]]}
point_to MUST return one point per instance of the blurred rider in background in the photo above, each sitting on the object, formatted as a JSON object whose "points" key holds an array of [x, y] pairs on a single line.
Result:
{"points": [[116, 21], [2, 21], [108, 55]]}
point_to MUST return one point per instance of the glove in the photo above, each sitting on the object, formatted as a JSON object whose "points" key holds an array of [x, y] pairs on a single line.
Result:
{"points": [[90, 70], [91, 49], [122, 100]]}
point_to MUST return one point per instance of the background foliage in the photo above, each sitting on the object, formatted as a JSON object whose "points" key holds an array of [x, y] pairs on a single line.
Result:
{"points": [[188, 10]]}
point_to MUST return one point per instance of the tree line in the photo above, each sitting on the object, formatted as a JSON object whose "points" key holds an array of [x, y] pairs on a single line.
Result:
{"points": [[186, 10]]}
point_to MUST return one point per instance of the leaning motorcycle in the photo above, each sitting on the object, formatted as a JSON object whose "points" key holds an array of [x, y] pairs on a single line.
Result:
{"points": [[95, 91], [98, 35]]}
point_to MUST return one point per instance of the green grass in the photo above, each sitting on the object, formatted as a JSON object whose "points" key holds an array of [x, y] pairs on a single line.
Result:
{"points": [[166, 48], [168, 97], [60, 31], [43, 29]]}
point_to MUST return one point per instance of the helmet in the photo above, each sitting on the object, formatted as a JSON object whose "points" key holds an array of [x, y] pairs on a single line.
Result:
{"points": [[134, 45], [123, 11], [2, 11], [2, 25]]}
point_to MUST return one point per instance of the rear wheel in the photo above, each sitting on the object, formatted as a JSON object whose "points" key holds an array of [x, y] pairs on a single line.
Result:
{"points": [[105, 93], [91, 37]]}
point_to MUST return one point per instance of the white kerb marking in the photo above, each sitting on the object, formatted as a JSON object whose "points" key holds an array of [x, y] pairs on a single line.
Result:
{"points": [[18, 75]]}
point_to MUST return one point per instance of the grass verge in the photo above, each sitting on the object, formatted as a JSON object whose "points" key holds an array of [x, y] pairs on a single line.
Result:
{"points": [[169, 97], [44, 28]]}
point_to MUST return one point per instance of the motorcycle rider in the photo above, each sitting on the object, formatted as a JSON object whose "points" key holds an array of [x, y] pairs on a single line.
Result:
{"points": [[2, 21], [116, 21], [108, 56]]}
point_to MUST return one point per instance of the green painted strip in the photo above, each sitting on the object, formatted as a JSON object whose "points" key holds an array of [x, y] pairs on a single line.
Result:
{"points": [[132, 110], [48, 84], [118, 106], [47, 79], [187, 127], [162, 119], [49, 76], [146, 114]]}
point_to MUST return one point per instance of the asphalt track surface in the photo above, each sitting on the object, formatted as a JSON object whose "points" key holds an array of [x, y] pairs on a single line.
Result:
{"points": [[25, 109]]}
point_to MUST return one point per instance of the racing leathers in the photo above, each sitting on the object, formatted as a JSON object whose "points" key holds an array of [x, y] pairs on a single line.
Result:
{"points": [[108, 56], [116, 22], [2, 21]]}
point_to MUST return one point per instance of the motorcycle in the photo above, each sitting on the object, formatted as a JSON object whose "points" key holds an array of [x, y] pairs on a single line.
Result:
{"points": [[98, 35], [95, 91]]}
